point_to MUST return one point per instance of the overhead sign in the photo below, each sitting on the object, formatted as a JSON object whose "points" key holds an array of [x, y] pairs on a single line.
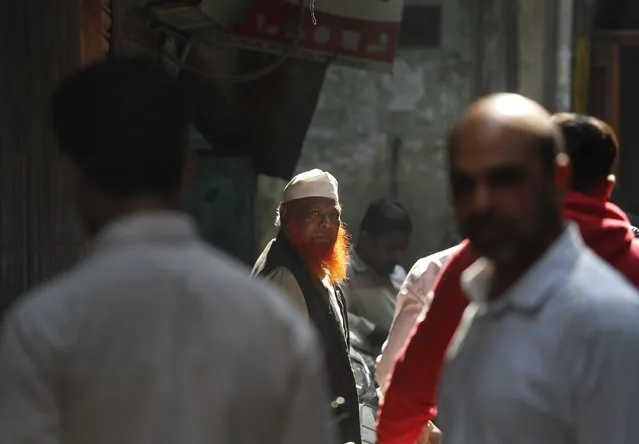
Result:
{"points": [[359, 33]]}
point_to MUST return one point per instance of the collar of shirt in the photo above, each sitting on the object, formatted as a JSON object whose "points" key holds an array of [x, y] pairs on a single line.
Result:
{"points": [[150, 227], [534, 288]]}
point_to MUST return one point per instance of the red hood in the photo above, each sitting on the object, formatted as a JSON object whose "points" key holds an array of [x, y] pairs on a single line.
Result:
{"points": [[606, 230]]}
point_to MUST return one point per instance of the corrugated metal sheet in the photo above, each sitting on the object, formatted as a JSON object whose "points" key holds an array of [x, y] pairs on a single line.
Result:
{"points": [[39, 43]]}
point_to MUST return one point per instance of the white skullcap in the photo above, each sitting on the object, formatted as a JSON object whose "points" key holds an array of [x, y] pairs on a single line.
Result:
{"points": [[313, 183]]}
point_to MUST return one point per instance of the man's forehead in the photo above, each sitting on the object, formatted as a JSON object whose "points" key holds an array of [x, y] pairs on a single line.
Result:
{"points": [[478, 152], [318, 202]]}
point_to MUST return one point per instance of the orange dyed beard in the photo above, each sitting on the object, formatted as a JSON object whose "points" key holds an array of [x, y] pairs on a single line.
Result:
{"points": [[322, 260]]}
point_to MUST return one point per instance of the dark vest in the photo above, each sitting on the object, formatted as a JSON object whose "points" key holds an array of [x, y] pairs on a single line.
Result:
{"points": [[342, 382]]}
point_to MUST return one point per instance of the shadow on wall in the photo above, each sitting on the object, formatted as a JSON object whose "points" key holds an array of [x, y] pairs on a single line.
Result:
{"points": [[221, 201]]}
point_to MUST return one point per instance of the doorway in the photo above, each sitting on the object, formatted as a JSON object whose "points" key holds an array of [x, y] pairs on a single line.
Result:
{"points": [[614, 98]]}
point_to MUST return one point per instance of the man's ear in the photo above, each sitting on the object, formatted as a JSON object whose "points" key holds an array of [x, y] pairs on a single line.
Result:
{"points": [[283, 213], [611, 181], [563, 173]]}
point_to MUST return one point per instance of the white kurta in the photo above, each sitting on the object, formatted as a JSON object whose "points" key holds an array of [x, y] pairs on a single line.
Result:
{"points": [[157, 338]]}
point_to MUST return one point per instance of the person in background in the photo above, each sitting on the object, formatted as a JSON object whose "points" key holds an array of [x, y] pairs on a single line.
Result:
{"points": [[414, 294], [308, 259], [575, 303], [374, 273], [592, 147], [154, 337]]}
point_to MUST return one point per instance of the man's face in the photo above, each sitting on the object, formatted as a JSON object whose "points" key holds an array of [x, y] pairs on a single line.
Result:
{"points": [[384, 251], [313, 226], [316, 221], [502, 194]]}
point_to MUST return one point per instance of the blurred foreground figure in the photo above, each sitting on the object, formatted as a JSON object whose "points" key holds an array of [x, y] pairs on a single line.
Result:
{"points": [[154, 337], [550, 333], [592, 146], [309, 259]]}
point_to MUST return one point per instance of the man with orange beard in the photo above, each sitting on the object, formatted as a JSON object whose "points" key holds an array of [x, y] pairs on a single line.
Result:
{"points": [[309, 259]]}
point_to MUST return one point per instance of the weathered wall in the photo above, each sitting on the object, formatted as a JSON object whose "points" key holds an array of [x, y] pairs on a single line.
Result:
{"points": [[39, 235], [360, 113]]}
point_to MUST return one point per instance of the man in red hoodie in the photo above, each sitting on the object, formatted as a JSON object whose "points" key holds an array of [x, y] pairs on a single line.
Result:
{"points": [[592, 147], [410, 401]]}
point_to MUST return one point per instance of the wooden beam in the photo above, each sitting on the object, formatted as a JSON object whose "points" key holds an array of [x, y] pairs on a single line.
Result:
{"points": [[624, 38]]}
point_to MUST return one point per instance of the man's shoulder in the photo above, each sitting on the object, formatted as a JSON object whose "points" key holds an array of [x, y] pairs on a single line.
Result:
{"points": [[53, 315], [43, 306], [200, 271], [230, 282], [593, 275], [281, 270], [436, 260], [599, 296], [281, 275]]}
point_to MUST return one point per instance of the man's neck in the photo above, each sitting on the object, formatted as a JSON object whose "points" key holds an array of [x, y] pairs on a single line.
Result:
{"points": [[508, 273], [112, 211], [358, 251], [361, 255]]}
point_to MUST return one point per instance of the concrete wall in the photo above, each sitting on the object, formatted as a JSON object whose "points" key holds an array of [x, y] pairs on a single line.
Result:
{"points": [[533, 75]]}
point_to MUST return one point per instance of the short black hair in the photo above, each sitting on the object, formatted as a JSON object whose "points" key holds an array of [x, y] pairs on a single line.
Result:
{"points": [[384, 216], [122, 120], [592, 147]]}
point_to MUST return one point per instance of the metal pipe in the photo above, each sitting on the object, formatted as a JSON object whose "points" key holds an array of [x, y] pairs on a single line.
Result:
{"points": [[510, 21], [584, 13], [564, 53]]}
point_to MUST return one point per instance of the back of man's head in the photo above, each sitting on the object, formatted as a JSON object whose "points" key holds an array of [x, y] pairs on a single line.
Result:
{"points": [[592, 147], [384, 216], [122, 122]]}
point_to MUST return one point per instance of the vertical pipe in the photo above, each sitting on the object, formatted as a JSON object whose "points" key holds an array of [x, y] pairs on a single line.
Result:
{"points": [[510, 21], [584, 13], [564, 53], [477, 13]]}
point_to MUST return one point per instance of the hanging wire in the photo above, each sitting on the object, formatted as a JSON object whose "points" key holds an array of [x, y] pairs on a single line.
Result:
{"points": [[241, 78]]}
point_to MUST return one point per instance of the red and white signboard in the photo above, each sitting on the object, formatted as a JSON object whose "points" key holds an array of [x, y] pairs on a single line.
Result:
{"points": [[359, 33]]}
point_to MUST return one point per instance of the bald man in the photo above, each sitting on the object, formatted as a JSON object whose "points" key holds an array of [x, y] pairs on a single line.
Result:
{"points": [[548, 348]]}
